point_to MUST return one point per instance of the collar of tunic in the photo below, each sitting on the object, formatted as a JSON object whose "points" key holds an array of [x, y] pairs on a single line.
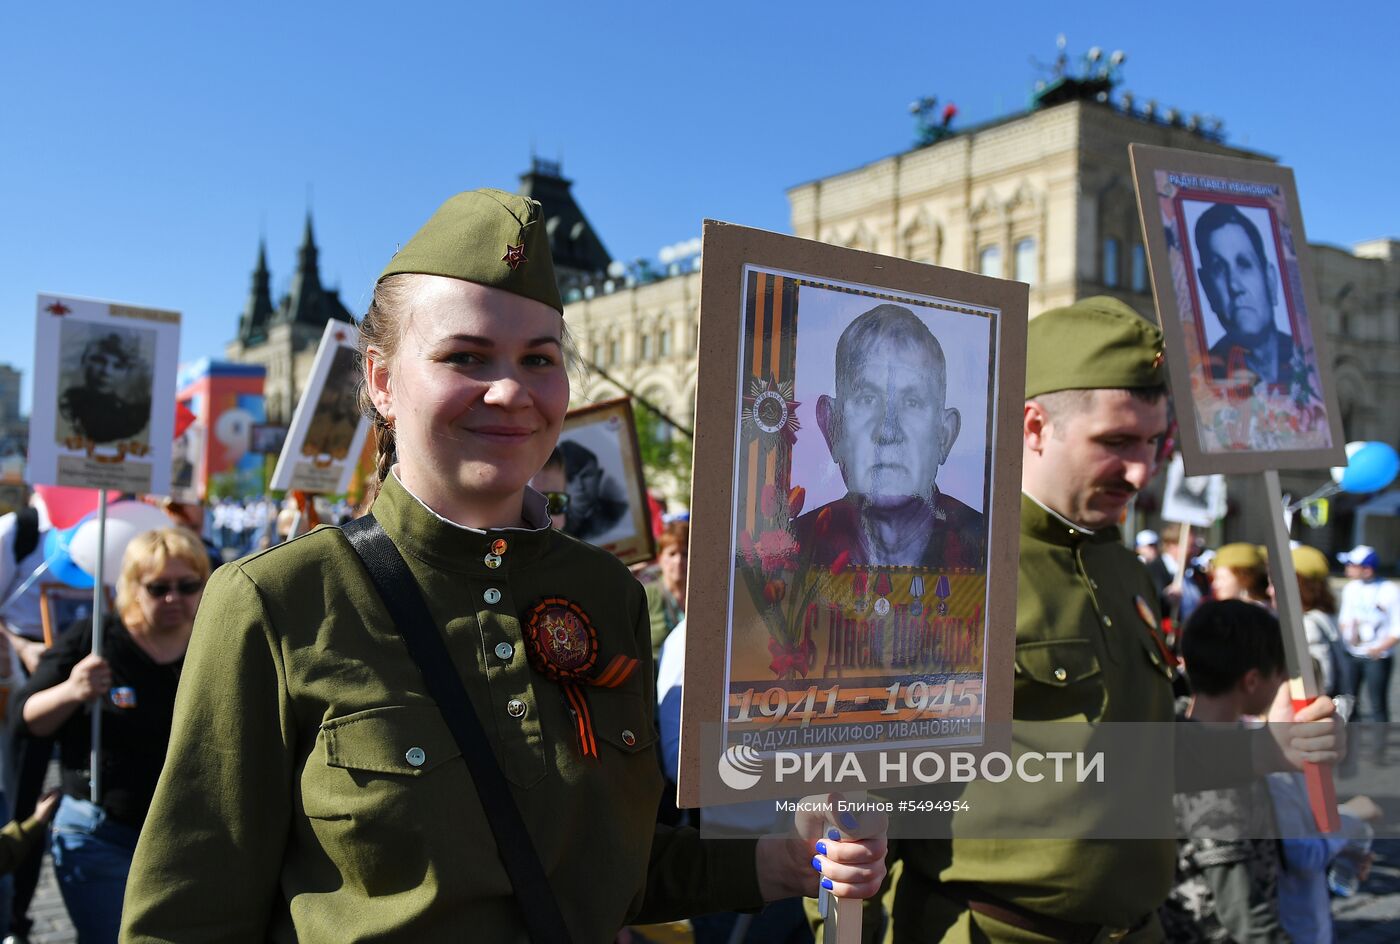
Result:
{"points": [[418, 530], [1038, 521]]}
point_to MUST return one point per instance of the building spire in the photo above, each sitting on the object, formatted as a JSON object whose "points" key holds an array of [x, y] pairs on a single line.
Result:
{"points": [[257, 310]]}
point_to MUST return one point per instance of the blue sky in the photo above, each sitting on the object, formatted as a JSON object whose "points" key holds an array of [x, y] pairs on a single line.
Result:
{"points": [[145, 147]]}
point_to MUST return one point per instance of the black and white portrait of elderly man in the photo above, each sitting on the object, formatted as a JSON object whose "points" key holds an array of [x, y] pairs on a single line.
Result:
{"points": [[889, 429]]}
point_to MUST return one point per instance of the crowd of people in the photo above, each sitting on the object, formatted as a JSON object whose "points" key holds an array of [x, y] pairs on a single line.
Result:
{"points": [[448, 714], [241, 526]]}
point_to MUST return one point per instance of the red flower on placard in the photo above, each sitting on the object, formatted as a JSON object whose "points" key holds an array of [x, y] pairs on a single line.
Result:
{"points": [[791, 660], [776, 550], [796, 498], [775, 590], [839, 564]]}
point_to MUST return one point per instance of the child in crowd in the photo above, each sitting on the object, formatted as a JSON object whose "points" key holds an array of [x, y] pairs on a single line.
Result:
{"points": [[1228, 865]]}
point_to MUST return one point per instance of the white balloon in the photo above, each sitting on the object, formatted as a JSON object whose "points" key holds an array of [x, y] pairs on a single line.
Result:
{"points": [[125, 520], [1340, 470]]}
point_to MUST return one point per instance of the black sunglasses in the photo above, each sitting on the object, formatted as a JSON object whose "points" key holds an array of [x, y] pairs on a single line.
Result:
{"points": [[556, 503], [160, 589]]}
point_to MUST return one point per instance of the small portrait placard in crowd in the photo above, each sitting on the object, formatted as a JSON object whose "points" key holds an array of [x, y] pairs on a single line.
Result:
{"points": [[855, 528], [328, 429], [1197, 500], [606, 488], [104, 395]]}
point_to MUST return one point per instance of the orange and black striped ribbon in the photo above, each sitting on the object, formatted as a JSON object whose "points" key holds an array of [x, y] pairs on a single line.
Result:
{"points": [[770, 351], [583, 720], [619, 670]]}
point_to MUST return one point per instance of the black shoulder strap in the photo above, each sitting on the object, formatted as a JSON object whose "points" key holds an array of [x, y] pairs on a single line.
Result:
{"points": [[26, 532], [425, 644]]}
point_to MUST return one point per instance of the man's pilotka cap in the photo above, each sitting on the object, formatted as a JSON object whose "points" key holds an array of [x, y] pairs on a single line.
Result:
{"points": [[489, 237], [1096, 343]]}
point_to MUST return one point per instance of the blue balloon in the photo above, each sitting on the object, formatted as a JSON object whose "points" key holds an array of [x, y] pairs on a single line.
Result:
{"points": [[1371, 468], [61, 565]]}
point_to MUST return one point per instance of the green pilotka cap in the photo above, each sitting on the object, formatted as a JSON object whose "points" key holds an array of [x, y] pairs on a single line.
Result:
{"points": [[489, 237], [1243, 556], [1096, 343]]}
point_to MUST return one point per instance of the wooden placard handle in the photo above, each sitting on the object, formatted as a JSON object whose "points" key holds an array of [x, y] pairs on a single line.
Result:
{"points": [[1322, 791], [841, 917]]}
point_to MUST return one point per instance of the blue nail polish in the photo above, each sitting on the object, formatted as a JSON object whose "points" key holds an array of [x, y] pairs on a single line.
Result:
{"points": [[833, 834], [816, 863], [821, 847], [848, 821], [826, 883]]}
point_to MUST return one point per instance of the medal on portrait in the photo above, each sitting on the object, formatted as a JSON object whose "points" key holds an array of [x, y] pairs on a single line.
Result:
{"points": [[855, 504]]}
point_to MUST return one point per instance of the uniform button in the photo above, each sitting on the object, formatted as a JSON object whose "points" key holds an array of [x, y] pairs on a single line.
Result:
{"points": [[493, 596], [628, 738], [493, 561], [415, 756], [1107, 621], [1093, 584], [504, 651], [498, 546], [515, 708], [1072, 532], [1061, 675]]}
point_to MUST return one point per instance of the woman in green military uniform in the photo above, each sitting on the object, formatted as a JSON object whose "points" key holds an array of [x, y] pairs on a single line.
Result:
{"points": [[315, 792]]}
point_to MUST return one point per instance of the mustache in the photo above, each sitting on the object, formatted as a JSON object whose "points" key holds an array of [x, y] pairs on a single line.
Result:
{"points": [[1119, 485]]}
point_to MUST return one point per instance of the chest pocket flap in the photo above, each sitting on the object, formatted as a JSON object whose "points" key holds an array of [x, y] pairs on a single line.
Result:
{"points": [[621, 719], [1058, 662], [397, 739]]}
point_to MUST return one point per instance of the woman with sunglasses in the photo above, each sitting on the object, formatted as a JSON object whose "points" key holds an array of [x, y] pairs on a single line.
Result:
{"points": [[133, 683], [317, 792]]}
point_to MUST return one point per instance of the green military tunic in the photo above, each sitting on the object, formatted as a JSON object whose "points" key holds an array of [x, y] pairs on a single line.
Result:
{"points": [[1084, 652], [313, 793]]}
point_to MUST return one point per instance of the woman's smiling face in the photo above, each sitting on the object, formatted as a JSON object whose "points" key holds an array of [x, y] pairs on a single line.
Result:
{"points": [[476, 393]]}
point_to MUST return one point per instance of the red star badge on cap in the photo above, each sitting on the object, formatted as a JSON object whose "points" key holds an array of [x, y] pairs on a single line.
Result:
{"points": [[514, 256], [58, 308]]}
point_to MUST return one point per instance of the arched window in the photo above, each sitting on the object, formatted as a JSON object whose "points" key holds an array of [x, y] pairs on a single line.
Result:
{"points": [[989, 261], [1110, 263], [1025, 270], [1139, 275]]}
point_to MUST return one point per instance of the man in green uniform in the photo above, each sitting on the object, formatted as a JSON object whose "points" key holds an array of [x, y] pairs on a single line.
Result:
{"points": [[1087, 651]]}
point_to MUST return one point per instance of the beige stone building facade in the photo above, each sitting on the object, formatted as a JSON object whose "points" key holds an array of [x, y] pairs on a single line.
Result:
{"points": [[1045, 197]]}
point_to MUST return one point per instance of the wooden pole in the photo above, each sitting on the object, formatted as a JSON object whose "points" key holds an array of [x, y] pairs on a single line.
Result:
{"points": [[841, 916], [1302, 683], [99, 600]]}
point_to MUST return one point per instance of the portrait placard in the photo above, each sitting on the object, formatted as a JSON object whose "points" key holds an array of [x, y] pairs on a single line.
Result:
{"points": [[104, 395], [1245, 337], [856, 516], [328, 428], [607, 490], [1197, 500]]}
